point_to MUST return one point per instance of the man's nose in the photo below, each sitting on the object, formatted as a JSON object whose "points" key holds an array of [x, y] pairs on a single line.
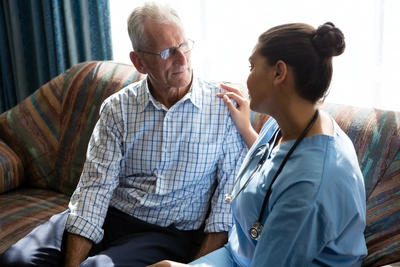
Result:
{"points": [[181, 56]]}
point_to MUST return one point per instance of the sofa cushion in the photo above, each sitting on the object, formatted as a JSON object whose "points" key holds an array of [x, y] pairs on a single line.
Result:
{"points": [[31, 129], [24, 209], [383, 215], [375, 134], [258, 120], [11, 169]]}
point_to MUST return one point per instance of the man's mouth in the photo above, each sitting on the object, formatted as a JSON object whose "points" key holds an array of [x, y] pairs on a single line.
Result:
{"points": [[181, 71]]}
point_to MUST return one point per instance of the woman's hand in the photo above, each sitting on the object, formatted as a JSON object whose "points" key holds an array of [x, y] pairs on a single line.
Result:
{"points": [[166, 263], [240, 113]]}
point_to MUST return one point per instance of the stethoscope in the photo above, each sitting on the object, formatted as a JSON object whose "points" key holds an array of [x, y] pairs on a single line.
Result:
{"points": [[256, 228]]}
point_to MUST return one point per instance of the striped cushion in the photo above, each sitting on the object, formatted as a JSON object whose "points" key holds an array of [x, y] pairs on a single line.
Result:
{"points": [[11, 169], [376, 136], [24, 209], [50, 130], [31, 129]]}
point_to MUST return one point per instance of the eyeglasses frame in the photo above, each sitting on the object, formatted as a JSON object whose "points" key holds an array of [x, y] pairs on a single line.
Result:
{"points": [[189, 41]]}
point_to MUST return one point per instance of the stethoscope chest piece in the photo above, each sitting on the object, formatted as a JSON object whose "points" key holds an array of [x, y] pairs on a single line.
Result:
{"points": [[255, 230]]}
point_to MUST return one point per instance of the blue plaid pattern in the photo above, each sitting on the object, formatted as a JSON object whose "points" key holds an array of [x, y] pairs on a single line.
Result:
{"points": [[161, 166]]}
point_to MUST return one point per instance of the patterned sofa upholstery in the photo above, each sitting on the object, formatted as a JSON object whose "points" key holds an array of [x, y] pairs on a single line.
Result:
{"points": [[43, 142]]}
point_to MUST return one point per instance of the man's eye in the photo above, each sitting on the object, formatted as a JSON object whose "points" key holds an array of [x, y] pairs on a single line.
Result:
{"points": [[165, 54]]}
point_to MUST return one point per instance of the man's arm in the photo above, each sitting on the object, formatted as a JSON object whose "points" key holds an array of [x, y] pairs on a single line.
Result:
{"points": [[102, 153], [77, 250], [211, 242]]}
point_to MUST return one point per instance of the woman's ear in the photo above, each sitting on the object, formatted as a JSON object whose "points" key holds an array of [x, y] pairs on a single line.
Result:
{"points": [[280, 72], [137, 62]]}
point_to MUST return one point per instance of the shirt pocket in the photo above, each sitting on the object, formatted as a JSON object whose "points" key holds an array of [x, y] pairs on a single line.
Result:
{"points": [[198, 159]]}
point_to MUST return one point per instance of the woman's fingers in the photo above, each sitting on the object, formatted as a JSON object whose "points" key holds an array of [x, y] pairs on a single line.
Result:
{"points": [[239, 99], [232, 89], [229, 103], [234, 93]]}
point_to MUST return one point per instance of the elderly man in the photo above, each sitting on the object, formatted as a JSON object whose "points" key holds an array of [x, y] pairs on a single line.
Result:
{"points": [[162, 155]]}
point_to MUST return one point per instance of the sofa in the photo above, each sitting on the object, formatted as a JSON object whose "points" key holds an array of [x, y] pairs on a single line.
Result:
{"points": [[43, 143]]}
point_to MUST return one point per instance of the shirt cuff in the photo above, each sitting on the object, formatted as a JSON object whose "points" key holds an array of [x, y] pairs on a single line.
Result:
{"points": [[217, 223], [77, 225]]}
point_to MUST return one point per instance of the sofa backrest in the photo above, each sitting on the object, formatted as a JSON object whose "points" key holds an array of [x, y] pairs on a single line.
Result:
{"points": [[50, 130]]}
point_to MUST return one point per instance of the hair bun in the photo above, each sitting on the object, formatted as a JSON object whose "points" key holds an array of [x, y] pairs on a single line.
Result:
{"points": [[329, 40]]}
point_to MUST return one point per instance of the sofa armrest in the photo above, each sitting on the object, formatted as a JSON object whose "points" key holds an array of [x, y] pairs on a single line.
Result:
{"points": [[11, 169]]}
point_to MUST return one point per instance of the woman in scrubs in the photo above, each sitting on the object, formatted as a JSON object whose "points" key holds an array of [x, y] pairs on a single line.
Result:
{"points": [[299, 199]]}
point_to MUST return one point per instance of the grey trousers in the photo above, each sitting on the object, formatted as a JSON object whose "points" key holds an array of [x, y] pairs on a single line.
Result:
{"points": [[127, 242]]}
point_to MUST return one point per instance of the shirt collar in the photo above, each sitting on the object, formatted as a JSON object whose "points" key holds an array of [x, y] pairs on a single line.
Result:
{"points": [[194, 95]]}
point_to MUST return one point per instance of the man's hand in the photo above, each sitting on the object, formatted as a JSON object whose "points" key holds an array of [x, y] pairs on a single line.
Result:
{"points": [[212, 241], [78, 248]]}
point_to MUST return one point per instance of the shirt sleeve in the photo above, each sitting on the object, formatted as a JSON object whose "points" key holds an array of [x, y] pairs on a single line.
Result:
{"points": [[233, 153], [89, 203]]}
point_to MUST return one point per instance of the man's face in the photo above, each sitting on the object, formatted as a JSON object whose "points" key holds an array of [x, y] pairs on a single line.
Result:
{"points": [[173, 72]]}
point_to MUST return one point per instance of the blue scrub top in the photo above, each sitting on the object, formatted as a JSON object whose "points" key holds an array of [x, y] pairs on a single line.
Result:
{"points": [[316, 212]]}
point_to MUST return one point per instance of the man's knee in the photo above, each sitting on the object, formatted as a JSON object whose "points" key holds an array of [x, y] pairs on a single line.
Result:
{"points": [[9, 260], [23, 254], [41, 247]]}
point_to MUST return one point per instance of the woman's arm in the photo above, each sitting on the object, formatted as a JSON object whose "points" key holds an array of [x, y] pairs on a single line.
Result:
{"points": [[166, 263], [240, 113]]}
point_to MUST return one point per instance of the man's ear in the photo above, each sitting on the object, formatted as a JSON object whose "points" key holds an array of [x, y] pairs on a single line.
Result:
{"points": [[137, 62], [280, 72]]}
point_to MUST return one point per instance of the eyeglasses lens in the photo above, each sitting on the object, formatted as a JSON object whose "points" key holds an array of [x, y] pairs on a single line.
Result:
{"points": [[170, 52]]}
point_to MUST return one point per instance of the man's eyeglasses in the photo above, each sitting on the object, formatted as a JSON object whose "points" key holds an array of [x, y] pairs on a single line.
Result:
{"points": [[170, 52]]}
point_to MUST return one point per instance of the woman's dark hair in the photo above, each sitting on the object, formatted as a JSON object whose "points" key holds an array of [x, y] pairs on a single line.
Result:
{"points": [[308, 51]]}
